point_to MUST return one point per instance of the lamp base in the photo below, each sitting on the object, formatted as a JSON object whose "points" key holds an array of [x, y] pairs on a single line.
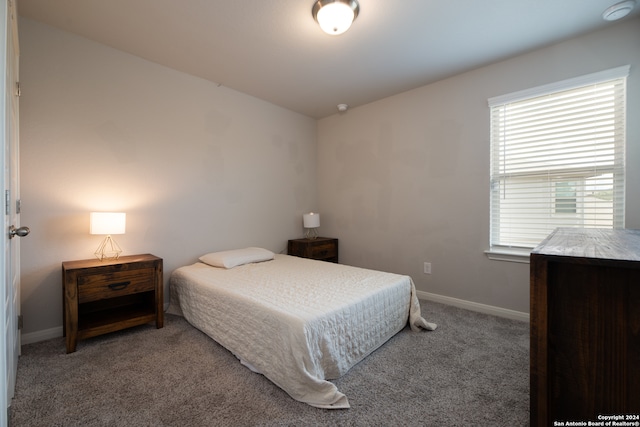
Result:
{"points": [[108, 249], [311, 233]]}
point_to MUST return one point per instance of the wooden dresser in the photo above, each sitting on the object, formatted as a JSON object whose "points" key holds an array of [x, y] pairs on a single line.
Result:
{"points": [[105, 296], [585, 326], [321, 248]]}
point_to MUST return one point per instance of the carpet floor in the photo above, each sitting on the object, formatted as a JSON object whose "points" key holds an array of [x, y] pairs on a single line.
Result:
{"points": [[471, 371]]}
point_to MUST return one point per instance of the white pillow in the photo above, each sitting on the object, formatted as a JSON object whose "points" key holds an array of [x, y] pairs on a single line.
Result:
{"points": [[230, 259]]}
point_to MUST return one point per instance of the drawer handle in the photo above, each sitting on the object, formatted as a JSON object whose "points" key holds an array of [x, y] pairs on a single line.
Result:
{"points": [[118, 286]]}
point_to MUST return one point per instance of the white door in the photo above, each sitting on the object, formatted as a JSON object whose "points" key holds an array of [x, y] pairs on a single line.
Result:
{"points": [[10, 249]]}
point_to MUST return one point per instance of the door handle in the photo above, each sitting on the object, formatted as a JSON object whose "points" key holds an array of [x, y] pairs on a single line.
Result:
{"points": [[20, 232]]}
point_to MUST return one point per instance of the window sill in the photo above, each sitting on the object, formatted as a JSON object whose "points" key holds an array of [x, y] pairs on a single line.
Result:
{"points": [[509, 254]]}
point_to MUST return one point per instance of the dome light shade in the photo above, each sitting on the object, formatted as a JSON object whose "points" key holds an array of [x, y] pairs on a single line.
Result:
{"points": [[335, 16]]}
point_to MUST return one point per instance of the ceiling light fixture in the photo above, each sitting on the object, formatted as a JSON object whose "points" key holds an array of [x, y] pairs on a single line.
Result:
{"points": [[618, 10], [335, 16]]}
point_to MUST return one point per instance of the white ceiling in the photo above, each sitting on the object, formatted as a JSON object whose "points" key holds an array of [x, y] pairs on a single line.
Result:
{"points": [[274, 50]]}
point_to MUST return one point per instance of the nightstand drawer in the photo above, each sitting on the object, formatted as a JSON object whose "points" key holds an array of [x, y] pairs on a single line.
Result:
{"points": [[110, 285], [323, 251]]}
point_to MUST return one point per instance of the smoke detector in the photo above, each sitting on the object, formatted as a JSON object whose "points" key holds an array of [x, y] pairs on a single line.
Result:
{"points": [[618, 10], [343, 107]]}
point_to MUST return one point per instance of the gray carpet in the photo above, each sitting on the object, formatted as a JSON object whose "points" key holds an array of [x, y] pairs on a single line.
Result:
{"points": [[472, 371]]}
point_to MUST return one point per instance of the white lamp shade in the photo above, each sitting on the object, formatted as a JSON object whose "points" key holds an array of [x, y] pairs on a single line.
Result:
{"points": [[107, 222], [335, 18], [311, 220]]}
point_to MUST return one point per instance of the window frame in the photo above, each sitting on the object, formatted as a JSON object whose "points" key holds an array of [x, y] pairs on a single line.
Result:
{"points": [[521, 254]]}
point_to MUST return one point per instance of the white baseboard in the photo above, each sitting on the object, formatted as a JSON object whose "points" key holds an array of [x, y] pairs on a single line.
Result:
{"points": [[474, 306], [43, 335], [47, 334], [56, 332]]}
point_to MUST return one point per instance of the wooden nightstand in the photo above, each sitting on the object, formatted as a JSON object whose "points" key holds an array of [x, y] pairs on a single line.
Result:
{"points": [[105, 296], [321, 248]]}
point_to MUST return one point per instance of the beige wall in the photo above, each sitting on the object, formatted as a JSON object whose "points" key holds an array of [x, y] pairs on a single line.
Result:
{"points": [[196, 167], [405, 180]]}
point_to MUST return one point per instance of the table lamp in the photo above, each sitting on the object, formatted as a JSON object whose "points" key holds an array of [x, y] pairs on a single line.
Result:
{"points": [[311, 222], [107, 223]]}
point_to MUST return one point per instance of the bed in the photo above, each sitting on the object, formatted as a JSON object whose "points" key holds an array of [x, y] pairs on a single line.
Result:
{"points": [[299, 322]]}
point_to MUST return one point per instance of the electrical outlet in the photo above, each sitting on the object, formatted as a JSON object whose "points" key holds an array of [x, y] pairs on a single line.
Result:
{"points": [[427, 268]]}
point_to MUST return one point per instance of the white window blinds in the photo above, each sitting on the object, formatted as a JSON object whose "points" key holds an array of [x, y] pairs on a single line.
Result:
{"points": [[557, 158]]}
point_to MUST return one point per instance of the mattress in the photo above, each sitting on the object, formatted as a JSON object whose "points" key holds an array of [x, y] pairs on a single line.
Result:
{"points": [[298, 322]]}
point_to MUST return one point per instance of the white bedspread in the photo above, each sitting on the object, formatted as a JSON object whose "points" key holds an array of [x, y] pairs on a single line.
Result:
{"points": [[297, 321]]}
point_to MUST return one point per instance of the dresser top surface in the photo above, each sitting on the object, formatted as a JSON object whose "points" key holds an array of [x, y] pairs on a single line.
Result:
{"points": [[594, 243]]}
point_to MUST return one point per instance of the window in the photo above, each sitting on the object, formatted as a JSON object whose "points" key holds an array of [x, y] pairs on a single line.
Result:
{"points": [[566, 198], [557, 159]]}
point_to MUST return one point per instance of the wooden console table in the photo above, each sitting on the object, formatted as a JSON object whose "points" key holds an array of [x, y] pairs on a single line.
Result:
{"points": [[585, 325]]}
